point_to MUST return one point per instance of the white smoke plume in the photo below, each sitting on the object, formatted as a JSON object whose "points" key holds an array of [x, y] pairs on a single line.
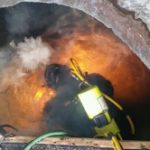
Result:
{"points": [[27, 57], [33, 53]]}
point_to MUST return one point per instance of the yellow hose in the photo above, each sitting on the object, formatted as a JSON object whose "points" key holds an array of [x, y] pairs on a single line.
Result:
{"points": [[121, 108], [116, 143], [113, 101]]}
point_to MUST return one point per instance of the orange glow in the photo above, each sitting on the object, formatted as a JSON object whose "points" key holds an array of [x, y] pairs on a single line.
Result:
{"points": [[96, 52], [23, 105], [99, 51]]}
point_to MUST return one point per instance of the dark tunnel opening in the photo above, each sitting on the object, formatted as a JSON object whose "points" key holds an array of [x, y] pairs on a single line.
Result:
{"points": [[59, 33]]}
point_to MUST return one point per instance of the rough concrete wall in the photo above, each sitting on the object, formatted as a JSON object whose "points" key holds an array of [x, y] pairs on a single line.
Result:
{"points": [[140, 7], [131, 31]]}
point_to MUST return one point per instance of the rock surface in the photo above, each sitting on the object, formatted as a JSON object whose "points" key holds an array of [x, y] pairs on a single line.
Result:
{"points": [[140, 7]]}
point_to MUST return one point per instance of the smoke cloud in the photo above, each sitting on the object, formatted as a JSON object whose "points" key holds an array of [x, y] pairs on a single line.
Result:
{"points": [[19, 60], [32, 53]]}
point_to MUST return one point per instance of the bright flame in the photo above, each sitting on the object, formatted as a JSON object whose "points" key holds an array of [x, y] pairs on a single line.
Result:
{"points": [[39, 94]]}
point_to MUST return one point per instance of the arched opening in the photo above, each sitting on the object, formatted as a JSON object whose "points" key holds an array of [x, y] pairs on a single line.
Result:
{"points": [[68, 33]]}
